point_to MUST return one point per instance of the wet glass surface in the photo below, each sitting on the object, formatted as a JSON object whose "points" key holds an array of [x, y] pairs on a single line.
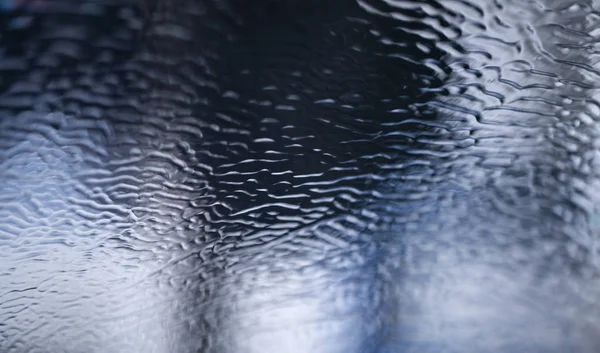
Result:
{"points": [[299, 176]]}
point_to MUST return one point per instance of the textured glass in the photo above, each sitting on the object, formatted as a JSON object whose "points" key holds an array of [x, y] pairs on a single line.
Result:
{"points": [[290, 176]]}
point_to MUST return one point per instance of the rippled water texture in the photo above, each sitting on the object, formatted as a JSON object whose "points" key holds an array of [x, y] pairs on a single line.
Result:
{"points": [[360, 176]]}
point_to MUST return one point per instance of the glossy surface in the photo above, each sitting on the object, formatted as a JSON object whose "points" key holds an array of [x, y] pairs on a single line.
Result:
{"points": [[299, 176]]}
